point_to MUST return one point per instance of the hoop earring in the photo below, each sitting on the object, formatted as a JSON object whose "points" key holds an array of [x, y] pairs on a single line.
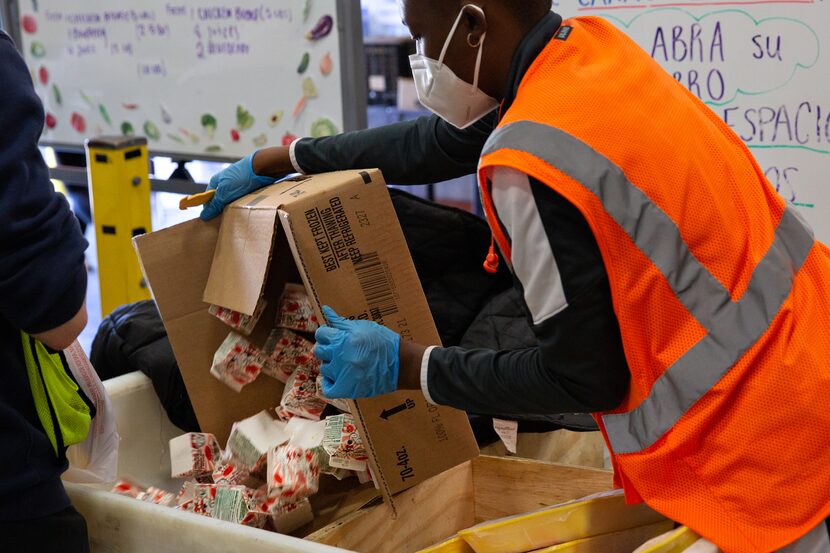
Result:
{"points": [[470, 41]]}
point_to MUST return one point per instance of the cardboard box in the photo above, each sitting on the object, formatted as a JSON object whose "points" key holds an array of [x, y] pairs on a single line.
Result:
{"points": [[339, 233]]}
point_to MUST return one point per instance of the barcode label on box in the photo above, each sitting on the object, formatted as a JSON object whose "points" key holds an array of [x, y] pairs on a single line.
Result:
{"points": [[377, 286]]}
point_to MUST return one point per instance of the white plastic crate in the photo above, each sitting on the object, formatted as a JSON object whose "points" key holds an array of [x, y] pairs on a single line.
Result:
{"points": [[483, 489], [124, 525]]}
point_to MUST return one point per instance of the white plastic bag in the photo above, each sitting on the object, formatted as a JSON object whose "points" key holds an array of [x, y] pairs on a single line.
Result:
{"points": [[95, 460]]}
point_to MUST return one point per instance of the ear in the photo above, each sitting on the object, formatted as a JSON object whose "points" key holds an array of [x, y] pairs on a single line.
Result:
{"points": [[474, 23]]}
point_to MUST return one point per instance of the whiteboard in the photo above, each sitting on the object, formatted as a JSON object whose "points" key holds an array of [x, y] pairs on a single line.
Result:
{"points": [[760, 65], [201, 79]]}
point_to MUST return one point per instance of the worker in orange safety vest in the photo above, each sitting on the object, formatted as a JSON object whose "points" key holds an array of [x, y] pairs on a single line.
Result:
{"points": [[712, 290]]}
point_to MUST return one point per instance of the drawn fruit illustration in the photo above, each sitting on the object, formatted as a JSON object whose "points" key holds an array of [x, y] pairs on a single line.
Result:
{"points": [[235, 135], [43, 75], [29, 23], [127, 128], [275, 118], [78, 122], [326, 64], [288, 138], [51, 121]]}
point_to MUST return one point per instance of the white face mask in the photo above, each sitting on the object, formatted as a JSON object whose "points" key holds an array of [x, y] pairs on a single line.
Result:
{"points": [[442, 92]]}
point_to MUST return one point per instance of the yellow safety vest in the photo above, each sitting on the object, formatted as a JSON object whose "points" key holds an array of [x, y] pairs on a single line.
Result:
{"points": [[62, 406]]}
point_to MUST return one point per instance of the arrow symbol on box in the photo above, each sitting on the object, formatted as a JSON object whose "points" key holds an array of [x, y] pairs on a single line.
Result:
{"points": [[386, 413]]}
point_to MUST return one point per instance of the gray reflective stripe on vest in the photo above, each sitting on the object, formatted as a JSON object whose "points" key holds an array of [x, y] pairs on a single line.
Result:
{"points": [[733, 327]]}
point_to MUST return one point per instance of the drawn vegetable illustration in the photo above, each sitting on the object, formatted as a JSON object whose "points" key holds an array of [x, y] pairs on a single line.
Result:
{"points": [[165, 116], [326, 64], [288, 138], [304, 63], [321, 29], [56, 92], [309, 88], [43, 74], [261, 140], [127, 128], [78, 122], [51, 121], [102, 109], [38, 49], [309, 91], [275, 118], [175, 138], [235, 135], [151, 130], [213, 148], [193, 137], [29, 23], [209, 124], [244, 120], [323, 127], [87, 99], [130, 106], [306, 10], [298, 109]]}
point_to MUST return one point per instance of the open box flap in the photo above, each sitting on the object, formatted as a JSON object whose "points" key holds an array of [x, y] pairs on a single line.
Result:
{"points": [[243, 253], [176, 263], [245, 246]]}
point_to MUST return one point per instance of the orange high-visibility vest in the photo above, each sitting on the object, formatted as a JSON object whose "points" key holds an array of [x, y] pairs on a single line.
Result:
{"points": [[719, 287]]}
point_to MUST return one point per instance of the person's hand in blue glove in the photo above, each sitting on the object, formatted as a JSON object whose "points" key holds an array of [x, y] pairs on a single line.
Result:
{"points": [[231, 184], [360, 358]]}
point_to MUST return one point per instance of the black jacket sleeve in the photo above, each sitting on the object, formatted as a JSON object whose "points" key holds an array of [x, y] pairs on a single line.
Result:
{"points": [[421, 151], [42, 272], [578, 366]]}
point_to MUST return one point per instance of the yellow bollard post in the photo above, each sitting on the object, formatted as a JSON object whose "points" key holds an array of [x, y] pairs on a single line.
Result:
{"points": [[119, 190]]}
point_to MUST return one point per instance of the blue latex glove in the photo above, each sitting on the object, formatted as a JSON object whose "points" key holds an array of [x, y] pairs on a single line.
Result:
{"points": [[231, 184], [360, 358]]}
